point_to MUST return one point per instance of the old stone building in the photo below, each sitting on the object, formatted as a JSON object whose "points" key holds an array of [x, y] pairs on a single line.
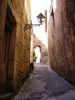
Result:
{"points": [[14, 43], [43, 50], [61, 38]]}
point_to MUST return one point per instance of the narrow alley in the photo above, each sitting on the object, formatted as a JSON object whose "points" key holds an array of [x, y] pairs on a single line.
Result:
{"points": [[37, 49], [45, 84]]}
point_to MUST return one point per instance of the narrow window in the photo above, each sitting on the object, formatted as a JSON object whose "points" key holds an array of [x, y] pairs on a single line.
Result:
{"points": [[52, 14]]}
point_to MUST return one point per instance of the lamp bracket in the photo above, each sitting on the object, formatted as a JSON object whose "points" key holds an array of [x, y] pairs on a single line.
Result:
{"points": [[39, 17], [29, 26]]}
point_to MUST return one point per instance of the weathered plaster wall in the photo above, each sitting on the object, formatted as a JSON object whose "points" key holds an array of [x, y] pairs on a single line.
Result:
{"points": [[60, 48], [71, 19]]}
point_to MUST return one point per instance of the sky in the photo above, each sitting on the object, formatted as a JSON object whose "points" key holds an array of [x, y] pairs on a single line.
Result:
{"points": [[39, 6]]}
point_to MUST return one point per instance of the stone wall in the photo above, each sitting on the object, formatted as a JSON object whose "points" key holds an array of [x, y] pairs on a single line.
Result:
{"points": [[18, 68], [44, 50], [3, 7], [22, 47], [31, 49], [59, 41]]}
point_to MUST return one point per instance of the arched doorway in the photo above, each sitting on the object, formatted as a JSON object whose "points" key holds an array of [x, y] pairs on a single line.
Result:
{"points": [[37, 51]]}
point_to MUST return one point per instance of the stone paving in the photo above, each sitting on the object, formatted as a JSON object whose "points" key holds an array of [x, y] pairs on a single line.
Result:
{"points": [[45, 84]]}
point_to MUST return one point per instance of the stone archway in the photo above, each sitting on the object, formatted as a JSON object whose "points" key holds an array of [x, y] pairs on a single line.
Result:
{"points": [[37, 50], [43, 49]]}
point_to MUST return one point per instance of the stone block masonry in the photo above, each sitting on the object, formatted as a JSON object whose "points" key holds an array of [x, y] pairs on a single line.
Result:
{"points": [[18, 60]]}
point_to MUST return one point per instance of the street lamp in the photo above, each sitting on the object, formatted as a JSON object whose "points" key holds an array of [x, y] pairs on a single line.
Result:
{"points": [[40, 19]]}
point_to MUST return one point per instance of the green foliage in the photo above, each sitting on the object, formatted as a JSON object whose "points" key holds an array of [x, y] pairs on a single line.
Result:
{"points": [[34, 56]]}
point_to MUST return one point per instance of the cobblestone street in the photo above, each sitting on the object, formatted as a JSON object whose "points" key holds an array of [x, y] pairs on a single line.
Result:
{"points": [[45, 84]]}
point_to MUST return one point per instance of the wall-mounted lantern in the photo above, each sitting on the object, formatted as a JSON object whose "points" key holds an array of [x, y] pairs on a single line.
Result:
{"points": [[40, 19]]}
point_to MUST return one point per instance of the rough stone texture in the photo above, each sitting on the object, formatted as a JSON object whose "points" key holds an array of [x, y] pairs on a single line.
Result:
{"points": [[45, 84], [44, 49], [18, 66], [22, 49], [31, 49], [3, 6], [60, 47]]}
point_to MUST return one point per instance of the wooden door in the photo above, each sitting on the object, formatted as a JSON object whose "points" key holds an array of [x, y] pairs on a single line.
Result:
{"points": [[7, 46]]}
